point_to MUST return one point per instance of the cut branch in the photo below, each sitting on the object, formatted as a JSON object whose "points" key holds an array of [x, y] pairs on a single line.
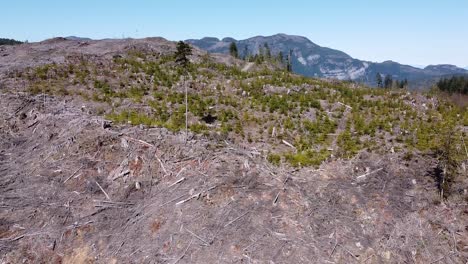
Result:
{"points": [[367, 174], [236, 219], [73, 174], [107, 196], [288, 144], [140, 141]]}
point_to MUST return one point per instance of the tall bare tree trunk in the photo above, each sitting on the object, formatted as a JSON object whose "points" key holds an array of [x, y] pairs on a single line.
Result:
{"points": [[186, 111]]}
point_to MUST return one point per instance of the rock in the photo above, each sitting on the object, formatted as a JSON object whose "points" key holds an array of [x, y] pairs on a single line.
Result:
{"points": [[387, 255], [124, 143]]}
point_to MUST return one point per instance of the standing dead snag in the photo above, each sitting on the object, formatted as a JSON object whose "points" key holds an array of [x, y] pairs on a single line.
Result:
{"points": [[183, 51]]}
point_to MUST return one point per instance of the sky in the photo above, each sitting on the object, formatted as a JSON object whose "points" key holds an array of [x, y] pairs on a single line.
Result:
{"points": [[412, 32]]}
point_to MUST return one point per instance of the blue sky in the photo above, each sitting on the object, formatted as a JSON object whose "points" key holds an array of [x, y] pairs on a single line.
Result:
{"points": [[412, 31]]}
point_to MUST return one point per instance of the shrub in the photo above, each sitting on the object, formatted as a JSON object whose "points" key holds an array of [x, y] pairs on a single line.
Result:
{"points": [[307, 158], [349, 146], [199, 128], [274, 159]]}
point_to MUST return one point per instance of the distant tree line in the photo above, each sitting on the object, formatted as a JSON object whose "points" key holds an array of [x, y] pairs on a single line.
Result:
{"points": [[4, 41], [455, 84], [264, 55], [389, 82]]}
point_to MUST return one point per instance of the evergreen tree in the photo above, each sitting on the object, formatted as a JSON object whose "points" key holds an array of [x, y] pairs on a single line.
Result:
{"points": [[181, 56], [388, 81], [267, 51], [258, 59], [4, 41], [396, 84], [289, 62], [246, 53], [379, 80], [261, 53], [448, 162], [280, 58], [233, 50], [404, 83], [454, 84]]}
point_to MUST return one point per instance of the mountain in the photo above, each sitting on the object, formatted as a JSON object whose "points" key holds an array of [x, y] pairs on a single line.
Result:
{"points": [[77, 38], [419, 66], [312, 60], [444, 69]]}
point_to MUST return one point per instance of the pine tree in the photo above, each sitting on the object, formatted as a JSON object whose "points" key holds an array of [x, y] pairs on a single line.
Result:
{"points": [[379, 80], [396, 83], [289, 62], [4, 41], [388, 81], [233, 50], [448, 160], [281, 58], [403, 84], [183, 51], [454, 84], [261, 53], [267, 51], [246, 53]]}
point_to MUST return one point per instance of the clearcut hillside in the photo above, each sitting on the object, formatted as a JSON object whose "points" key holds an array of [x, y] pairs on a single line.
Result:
{"points": [[96, 165]]}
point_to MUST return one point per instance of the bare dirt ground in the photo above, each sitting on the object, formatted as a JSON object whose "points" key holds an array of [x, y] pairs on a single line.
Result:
{"points": [[75, 188], [73, 191]]}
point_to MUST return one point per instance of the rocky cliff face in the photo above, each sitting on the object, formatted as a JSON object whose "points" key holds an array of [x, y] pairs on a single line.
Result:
{"points": [[312, 60]]}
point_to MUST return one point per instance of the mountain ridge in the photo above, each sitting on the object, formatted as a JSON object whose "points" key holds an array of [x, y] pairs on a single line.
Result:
{"points": [[77, 38], [313, 60]]}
